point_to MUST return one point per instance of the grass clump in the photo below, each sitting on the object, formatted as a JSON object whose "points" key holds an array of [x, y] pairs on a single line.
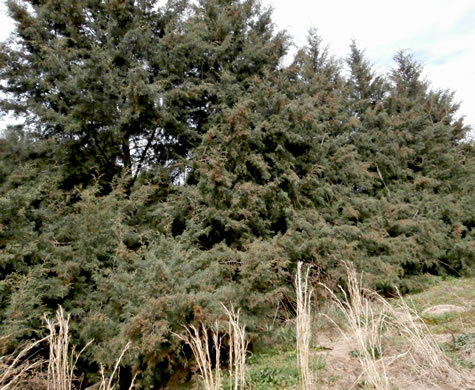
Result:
{"points": [[391, 332], [15, 367], [199, 344], [19, 369], [209, 368], [237, 348], [62, 361], [365, 326], [427, 357]]}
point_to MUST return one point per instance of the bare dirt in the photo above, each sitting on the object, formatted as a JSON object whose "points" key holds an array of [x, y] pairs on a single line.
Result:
{"points": [[342, 371], [438, 310]]}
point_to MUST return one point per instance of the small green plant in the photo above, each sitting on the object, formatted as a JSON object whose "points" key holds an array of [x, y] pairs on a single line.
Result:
{"points": [[464, 342], [318, 363], [271, 377], [376, 353], [274, 369], [463, 346]]}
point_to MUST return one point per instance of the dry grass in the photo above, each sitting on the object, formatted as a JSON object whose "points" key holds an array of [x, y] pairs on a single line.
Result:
{"points": [[15, 367], [198, 342], [370, 322], [366, 324], [303, 328], [428, 360], [62, 361], [370, 319], [237, 349], [200, 347], [107, 383]]}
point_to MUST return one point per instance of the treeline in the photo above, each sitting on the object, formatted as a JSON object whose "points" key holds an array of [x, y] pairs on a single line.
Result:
{"points": [[169, 160]]}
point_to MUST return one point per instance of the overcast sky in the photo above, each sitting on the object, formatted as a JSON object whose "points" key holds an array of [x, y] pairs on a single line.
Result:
{"points": [[440, 33]]}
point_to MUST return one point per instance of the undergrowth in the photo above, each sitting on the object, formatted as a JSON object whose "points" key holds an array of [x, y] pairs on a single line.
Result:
{"points": [[385, 337]]}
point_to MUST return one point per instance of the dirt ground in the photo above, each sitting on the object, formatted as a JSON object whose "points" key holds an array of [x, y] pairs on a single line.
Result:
{"points": [[448, 312]]}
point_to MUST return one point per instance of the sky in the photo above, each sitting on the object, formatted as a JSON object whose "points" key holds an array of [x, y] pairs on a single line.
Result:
{"points": [[439, 33]]}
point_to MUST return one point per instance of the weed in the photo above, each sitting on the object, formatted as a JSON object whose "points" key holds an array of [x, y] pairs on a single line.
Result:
{"points": [[273, 370], [464, 342]]}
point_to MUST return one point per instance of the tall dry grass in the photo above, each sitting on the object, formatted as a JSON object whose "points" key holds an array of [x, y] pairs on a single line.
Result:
{"points": [[369, 317], [428, 360], [237, 348], [200, 347], [198, 341], [365, 326], [107, 383], [62, 360], [303, 328], [15, 367]]}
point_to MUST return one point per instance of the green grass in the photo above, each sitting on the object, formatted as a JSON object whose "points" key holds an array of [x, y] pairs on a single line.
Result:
{"points": [[459, 292], [277, 368]]}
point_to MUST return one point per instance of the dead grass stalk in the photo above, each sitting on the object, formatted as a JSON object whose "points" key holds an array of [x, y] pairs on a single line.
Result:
{"points": [[199, 344], [14, 367], [428, 358], [62, 361], [107, 383], [303, 328], [237, 348], [365, 327]]}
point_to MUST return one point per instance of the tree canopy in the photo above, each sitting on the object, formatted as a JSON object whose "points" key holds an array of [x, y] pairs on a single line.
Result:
{"points": [[170, 160]]}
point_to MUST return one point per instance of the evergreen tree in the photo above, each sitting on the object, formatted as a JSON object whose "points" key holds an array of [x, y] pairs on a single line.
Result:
{"points": [[366, 88], [169, 162], [413, 159], [124, 84]]}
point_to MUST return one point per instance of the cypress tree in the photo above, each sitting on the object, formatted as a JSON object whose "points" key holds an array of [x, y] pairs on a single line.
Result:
{"points": [[124, 84], [414, 155], [169, 161]]}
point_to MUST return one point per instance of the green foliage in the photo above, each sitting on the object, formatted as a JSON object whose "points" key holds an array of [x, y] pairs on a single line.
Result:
{"points": [[275, 370], [169, 162], [464, 341]]}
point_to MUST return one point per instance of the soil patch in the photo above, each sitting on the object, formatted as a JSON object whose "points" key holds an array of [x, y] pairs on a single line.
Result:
{"points": [[443, 309]]}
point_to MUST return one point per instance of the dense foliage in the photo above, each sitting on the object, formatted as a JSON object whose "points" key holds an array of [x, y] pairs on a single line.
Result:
{"points": [[169, 161]]}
